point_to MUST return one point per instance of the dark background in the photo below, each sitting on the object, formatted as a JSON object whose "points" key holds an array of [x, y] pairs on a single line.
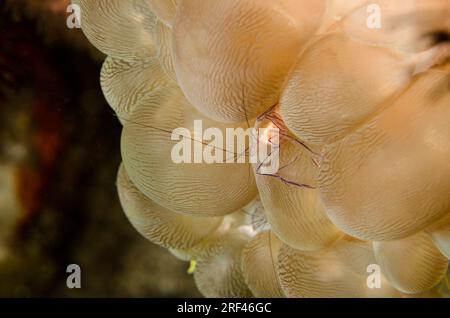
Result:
{"points": [[59, 155]]}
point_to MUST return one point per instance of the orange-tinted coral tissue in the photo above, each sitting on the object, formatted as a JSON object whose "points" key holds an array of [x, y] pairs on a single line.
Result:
{"points": [[360, 93]]}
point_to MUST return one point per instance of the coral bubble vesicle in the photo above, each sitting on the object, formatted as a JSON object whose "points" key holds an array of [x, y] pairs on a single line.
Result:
{"points": [[391, 178], [126, 83], [426, 265], [159, 225], [119, 28], [199, 189], [337, 271], [219, 272], [337, 84], [231, 57], [261, 253]]}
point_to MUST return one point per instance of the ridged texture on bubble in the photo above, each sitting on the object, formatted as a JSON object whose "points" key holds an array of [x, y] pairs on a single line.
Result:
{"points": [[125, 83], [259, 265], [164, 10], [231, 57], [119, 28], [391, 177], [294, 211], [337, 84], [218, 272], [333, 272], [163, 38], [440, 233], [159, 225], [405, 25], [411, 265], [198, 189]]}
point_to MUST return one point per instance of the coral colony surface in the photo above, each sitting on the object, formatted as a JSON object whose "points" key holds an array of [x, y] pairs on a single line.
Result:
{"points": [[351, 100]]}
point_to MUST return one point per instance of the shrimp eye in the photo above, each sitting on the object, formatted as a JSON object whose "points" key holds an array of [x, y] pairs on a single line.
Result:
{"points": [[439, 37]]}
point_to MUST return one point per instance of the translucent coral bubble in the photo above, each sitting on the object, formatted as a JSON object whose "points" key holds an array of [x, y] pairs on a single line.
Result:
{"points": [[391, 177], [259, 265], [291, 199], [125, 83], [337, 84], [411, 265], [164, 10], [174, 177], [231, 57], [218, 272], [159, 225], [119, 28], [295, 212], [440, 233], [337, 271]]}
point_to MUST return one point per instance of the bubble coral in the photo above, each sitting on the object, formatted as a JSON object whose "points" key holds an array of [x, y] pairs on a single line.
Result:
{"points": [[363, 115]]}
